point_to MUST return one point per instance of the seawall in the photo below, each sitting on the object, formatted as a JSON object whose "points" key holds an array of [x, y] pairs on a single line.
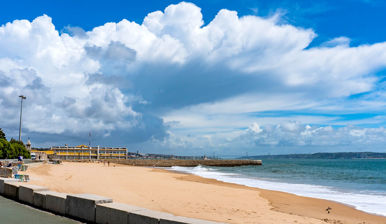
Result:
{"points": [[186, 163], [87, 208]]}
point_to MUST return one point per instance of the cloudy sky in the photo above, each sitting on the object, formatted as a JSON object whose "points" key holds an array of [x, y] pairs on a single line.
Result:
{"points": [[191, 78]]}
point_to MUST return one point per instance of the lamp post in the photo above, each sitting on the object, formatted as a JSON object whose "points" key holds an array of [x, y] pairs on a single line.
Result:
{"points": [[21, 113]]}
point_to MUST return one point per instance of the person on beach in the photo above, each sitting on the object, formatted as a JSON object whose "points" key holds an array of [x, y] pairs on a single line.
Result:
{"points": [[108, 163]]}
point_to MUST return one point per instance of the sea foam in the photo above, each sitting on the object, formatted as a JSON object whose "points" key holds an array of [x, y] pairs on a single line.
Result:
{"points": [[370, 202]]}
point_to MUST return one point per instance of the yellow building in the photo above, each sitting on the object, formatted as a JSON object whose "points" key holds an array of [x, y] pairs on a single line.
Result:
{"points": [[83, 152]]}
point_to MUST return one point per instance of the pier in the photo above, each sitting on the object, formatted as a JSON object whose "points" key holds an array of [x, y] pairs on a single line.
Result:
{"points": [[187, 162]]}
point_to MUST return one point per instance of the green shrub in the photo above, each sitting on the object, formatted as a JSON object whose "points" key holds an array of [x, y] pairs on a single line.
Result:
{"points": [[12, 149]]}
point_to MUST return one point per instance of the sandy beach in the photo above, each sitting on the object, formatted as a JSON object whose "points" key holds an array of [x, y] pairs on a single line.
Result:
{"points": [[192, 196]]}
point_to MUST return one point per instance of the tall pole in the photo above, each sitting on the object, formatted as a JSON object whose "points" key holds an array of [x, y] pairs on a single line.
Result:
{"points": [[89, 139], [21, 113]]}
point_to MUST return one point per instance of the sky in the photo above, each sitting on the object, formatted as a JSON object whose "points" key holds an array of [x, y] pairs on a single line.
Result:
{"points": [[223, 78]]}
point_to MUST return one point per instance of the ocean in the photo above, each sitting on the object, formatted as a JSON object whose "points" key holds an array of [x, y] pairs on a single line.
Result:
{"points": [[12, 212], [360, 183]]}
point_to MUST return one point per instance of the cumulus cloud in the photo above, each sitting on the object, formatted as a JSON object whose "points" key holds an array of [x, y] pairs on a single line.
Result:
{"points": [[295, 134], [149, 81], [286, 137], [52, 70]]}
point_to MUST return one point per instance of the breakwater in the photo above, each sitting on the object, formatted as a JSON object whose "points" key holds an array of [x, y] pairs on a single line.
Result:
{"points": [[186, 163], [87, 208]]}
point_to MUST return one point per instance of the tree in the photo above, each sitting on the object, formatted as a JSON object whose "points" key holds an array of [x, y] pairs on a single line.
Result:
{"points": [[2, 134], [18, 149], [12, 149], [14, 141], [2, 147], [5, 149]]}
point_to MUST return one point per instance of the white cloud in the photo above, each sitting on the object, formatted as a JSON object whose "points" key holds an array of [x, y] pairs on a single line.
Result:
{"points": [[207, 79], [52, 70], [287, 137], [255, 128], [338, 41]]}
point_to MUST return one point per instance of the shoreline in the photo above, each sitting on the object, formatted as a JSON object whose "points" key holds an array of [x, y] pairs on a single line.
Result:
{"points": [[193, 196], [263, 189], [272, 196], [328, 193]]}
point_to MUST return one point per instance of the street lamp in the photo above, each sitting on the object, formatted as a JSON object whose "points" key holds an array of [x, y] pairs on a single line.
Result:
{"points": [[21, 113]]}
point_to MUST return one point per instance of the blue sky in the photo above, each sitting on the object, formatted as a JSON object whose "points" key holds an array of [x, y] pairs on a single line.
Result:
{"points": [[361, 20], [199, 77]]}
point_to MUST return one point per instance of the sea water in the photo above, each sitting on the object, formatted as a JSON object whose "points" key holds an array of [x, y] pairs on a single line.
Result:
{"points": [[12, 212], [360, 183]]}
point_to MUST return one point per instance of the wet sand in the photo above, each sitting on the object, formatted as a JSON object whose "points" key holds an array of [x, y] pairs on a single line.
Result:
{"points": [[192, 196]]}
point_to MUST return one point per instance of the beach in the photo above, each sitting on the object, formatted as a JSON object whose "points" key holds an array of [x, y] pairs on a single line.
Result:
{"points": [[192, 196]]}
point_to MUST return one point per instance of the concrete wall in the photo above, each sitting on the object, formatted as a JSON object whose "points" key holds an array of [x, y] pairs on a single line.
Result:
{"points": [[26, 192], [39, 199], [11, 189], [40, 156], [116, 213], [88, 207], [3, 180], [184, 220], [83, 206], [56, 202], [187, 162], [5, 172], [146, 216]]}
